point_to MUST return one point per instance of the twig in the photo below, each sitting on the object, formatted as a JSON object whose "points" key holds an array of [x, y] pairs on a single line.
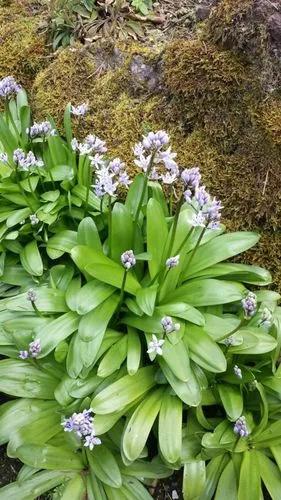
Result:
{"points": [[265, 182]]}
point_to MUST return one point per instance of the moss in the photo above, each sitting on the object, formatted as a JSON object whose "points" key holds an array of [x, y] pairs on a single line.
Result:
{"points": [[270, 118], [211, 86], [22, 46]]}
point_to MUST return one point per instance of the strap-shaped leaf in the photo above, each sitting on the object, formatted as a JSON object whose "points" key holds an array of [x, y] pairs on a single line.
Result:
{"points": [[227, 485], [253, 275], [231, 399], [114, 358], [94, 323], [50, 457], [104, 465], [203, 350], [194, 477], [157, 233], [37, 484], [31, 259], [56, 331], [249, 480], [122, 231], [170, 428], [21, 379], [207, 292], [189, 392], [92, 295]]}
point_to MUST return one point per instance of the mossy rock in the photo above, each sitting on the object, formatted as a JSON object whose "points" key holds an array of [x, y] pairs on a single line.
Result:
{"points": [[270, 119], [22, 45]]}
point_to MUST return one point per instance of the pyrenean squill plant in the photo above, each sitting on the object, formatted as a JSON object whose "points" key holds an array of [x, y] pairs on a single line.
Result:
{"points": [[126, 332]]}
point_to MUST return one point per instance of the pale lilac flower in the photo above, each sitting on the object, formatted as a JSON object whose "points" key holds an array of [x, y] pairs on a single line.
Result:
{"points": [[31, 295], [4, 157], [188, 195], [201, 196], [138, 149], [80, 110], [143, 162], [40, 129], [97, 161], [191, 177], [26, 161], [249, 304], [229, 341], [237, 371], [74, 144], [172, 261], [8, 87], [23, 354], [198, 220], [155, 345], [155, 140], [91, 440], [128, 259], [34, 348], [212, 213], [18, 155], [95, 144], [168, 325], [33, 219], [240, 427]]}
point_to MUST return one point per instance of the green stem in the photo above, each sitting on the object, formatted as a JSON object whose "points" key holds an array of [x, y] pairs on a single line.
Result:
{"points": [[142, 198], [122, 293], [88, 191], [184, 241], [195, 248], [174, 227], [109, 227], [37, 310]]}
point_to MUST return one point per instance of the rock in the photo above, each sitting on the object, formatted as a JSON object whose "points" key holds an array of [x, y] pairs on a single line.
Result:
{"points": [[145, 74], [202, 12], [274, 28]]}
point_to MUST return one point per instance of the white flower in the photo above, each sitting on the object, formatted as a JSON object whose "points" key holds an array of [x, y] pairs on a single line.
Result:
{"points": [[91, 440], [143, 162], [198, 220], [155, 345], [80, 110], [172, 261]]}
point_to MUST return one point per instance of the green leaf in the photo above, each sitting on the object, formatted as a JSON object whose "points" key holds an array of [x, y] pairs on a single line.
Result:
{"points": [[203, 350], [49, 457], [227, 485], [139, 425], [56, 331], [249, 480], [19, 378], [31, 259], [92, 295], [170, 428], [67, 123], [63, 241], [221, 248], [104, 465], [176, 357], [133, 351], [189, 392], [134, 194], [231, 399], [146, 298], [35, 486], [220, 327], [182, 310], [114, 358], [17, 216], [75, 489], [124, 391], [122, 231], [88, 234], [72, 292], [93, 324], [253, 275], [157, 233], [254, 341], [102, 268], [207, 292], [47, 300], [194, 477]]}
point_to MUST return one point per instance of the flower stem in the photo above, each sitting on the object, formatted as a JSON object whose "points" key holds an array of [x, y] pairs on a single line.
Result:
{"points": [[145, 183], [109, 227], [184, 241], [88, 191], [195, 248], [122, 293], [174, 226]]}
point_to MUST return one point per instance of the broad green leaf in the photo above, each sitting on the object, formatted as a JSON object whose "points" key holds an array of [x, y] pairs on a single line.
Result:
{"points": [[176, 357], [124, 391], [207, 293], [56, 331], [75, 489], [170, 428], [47, 300], [93, 324], [189, 392], [270, 475], [31, 259], [92, 295], [134, 490], [102, 268], [157, 233], [61, 276], [35, 486], [19, 378], [88, 234], [203, 350], [49, 457], [146, 298], [194, 477], [139, 425], [114, 358], [254, 341], [142, 468], [17, 216], [253, 275], [182, 310], [72, 292], [221, 248], [134, 194], [227, 485], [231, 399], [133, 351], [220, 327], [271, 436], [249, 480], [63, 241], [104, 465], [122, 231]]}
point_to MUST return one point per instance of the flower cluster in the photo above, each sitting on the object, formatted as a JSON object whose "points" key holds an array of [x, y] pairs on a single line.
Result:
{"points": [[34, 349], [31, 295], [33, 219], [4, 157], [155, 345], [109, 176], [82, 425], [172, 262], [154, 160], [266, 318], [249, 304], [40, 129], [240, 427], [128, 259], [26, 161], [168, 325], [91, 144], [9, 87], [80, 110]]}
